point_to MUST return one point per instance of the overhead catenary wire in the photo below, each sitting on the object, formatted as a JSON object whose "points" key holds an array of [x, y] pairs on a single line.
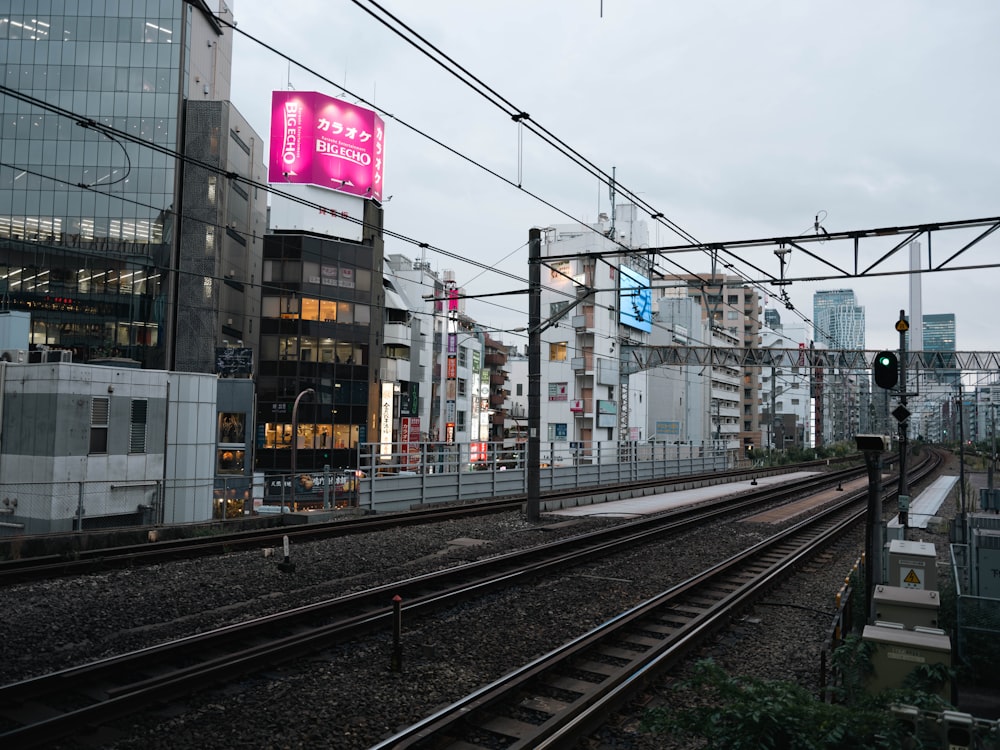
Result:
{"points": [[519, 116]]}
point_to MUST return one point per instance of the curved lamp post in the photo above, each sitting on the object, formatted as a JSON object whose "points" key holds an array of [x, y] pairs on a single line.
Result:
{"points": [[295, 436]]}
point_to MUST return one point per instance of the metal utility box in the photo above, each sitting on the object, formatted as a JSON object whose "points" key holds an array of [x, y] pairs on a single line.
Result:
{"points": [[911, 608], [897, 652], [986, 563], [912, 565]]}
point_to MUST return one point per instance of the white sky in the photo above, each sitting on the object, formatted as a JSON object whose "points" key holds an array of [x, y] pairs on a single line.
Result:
{"points": [[735, 120]]}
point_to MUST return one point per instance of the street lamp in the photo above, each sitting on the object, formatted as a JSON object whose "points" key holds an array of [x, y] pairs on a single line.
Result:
{"points": [[295, 435]]}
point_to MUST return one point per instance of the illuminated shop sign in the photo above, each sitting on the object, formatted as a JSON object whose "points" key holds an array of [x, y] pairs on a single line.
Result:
{"points": [[319, 140]]}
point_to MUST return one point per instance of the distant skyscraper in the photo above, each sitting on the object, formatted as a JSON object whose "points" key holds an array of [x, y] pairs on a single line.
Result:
{"points": [[939, 336], [838, 320], [772, 318], [839, 323]]}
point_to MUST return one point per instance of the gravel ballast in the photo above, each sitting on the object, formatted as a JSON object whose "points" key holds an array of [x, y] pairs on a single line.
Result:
{"points": [[348, 698]]}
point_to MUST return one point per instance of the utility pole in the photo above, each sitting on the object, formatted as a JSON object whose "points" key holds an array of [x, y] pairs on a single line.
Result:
{"points": [[534, 372], [774, 396], [903, 413], [993, 444], [961, 462], [535, 328]]}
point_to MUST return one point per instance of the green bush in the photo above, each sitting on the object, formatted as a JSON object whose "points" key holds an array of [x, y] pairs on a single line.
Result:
{"points": [[747, 713]]}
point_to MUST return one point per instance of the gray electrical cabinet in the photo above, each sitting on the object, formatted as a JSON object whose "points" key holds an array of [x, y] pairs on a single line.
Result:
{"points": [[912, 565], [986, 563], [911, 608], [898, 651]]}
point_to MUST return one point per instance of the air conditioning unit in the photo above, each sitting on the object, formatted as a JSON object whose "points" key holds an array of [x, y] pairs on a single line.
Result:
{"points": [[49, 355], [16, 356]]}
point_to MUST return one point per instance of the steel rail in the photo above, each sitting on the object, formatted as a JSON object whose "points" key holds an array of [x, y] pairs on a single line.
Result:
{"points": [[237, 649], [568, 693]]}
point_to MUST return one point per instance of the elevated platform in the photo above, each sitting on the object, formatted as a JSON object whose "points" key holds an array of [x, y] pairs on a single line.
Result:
{"points": [[924, 507], [657, 503]]}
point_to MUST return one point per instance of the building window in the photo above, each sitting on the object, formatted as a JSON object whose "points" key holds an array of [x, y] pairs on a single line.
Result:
{"points": [[557, 432], [137, 426], [462, 386], [557, 351], [732, 315], [463, 356], [230, 461], [460, 425], [733, 299], [557, 308], [232, 428], [99, 410]]}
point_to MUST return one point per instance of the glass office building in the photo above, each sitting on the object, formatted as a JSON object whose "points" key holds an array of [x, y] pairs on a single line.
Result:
{"points": [[939, 347], [92, 117]]}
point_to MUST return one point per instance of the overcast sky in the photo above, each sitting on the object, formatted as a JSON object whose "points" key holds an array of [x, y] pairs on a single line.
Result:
{"points": [[735, 120]]}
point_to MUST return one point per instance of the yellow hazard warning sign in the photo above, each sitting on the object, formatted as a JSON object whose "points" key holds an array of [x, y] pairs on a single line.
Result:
{"points": [[912, 578]]}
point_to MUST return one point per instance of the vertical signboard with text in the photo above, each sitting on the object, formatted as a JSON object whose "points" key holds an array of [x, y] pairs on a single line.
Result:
{"points": [[319, 140]]}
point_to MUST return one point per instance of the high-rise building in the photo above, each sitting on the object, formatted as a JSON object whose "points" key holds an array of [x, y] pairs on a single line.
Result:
{"points": [[116, 245], [839, 323], [939, 338], [838, 320]]}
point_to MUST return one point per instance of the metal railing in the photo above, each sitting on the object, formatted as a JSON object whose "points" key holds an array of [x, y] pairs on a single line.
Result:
{"points": [[393, 477]]}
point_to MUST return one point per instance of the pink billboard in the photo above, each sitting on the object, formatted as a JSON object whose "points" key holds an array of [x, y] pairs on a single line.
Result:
{"points": [[319, 140]]}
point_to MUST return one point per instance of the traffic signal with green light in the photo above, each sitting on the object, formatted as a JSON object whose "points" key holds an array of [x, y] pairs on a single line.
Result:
{"points": [[886, 370]]}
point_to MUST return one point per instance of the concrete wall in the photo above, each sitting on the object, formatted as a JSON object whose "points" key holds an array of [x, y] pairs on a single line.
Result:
{"points": [[50, 480], [191, 433], [46, 466]]}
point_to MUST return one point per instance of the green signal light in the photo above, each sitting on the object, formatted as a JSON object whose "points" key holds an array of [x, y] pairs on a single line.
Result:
{"points": [[886, 370]]}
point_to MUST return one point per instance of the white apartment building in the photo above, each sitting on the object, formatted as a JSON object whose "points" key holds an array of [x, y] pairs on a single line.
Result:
{"points": [[785, 393], [593, 302]]}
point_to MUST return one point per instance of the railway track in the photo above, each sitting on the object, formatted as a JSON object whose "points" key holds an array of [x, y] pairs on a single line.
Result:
{"points": [[83, 561], [44, 709], [560, 698]]}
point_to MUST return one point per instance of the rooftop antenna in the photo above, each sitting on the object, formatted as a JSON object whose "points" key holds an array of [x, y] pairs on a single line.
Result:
{"points": [[288, 76], [611, 197]]}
